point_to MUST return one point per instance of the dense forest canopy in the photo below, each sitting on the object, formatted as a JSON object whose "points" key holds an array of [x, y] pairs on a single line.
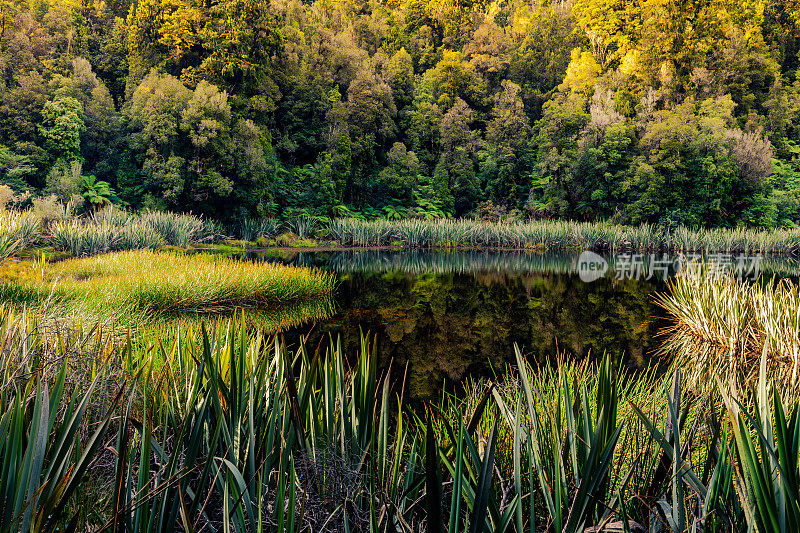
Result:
{"points": [[662, 111]]}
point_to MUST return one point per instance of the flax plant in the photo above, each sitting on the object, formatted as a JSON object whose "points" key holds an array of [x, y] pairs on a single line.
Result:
{"points": [[17, 230], [225, 429], [721, 326]]}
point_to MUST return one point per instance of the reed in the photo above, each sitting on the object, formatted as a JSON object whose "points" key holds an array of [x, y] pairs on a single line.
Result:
{"points": [[137, 237], [55, 412], [113, 229], [258, 446], [767, 449], [163, 283], [228, 430]]}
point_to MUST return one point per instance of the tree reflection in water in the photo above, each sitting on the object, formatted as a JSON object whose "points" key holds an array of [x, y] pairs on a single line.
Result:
{"points": [[449, 315]]}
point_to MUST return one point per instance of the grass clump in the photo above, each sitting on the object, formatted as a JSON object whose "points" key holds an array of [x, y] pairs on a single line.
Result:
{"points": [[113, 230], [723, 326], [179, 229], [163, 283], [555, 235], [252, 229], [18, 230], [176, 282], [82, 239]]}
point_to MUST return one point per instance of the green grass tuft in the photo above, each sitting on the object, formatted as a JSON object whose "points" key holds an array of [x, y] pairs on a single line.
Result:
{"points": [[153, 284], [228, 430]]}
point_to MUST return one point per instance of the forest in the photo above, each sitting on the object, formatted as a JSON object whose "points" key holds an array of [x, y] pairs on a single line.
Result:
{"points": [[669, 112]]}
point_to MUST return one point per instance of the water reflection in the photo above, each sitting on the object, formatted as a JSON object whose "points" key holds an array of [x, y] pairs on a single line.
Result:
{"points": [[273, 318], [646, 265], [421, 261]]}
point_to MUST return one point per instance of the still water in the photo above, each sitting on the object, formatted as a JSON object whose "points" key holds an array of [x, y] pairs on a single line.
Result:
{"points": [[449, 315]]}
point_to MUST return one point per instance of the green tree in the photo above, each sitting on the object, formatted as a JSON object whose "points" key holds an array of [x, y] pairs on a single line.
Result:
{"points": [[457, 164], [400, 76], [61, 127], [101, 137], [699, 170], [98, 193], [15, 169], [421, 123], [506, 160], [453, 79], [154, 120], [64, 180], [206, 120], [559, 131], [371, 112], [398, 180]]}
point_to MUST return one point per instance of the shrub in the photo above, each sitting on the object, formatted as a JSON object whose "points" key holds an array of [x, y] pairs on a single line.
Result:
{"points": [[17, 230]]}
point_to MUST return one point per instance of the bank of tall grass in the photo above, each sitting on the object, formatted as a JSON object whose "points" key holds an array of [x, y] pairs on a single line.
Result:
{"points": [[723, 326], [558, 235], [231, 431], [151, 284], [420, 261], [115, 230]]}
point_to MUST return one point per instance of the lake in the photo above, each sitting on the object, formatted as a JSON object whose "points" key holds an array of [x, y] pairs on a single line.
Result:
{"points": [[449, 315]]}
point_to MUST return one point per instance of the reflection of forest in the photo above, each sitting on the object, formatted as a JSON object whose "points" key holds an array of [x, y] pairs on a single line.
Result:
{"points": [[448, 325]]}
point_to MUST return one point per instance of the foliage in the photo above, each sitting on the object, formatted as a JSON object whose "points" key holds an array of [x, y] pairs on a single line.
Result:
{"points": [[44, 462], [17, 230], [112, 229], [162, 282], [62, 122], [251, 229], [556, 235], [586, 110], [97, 193]]}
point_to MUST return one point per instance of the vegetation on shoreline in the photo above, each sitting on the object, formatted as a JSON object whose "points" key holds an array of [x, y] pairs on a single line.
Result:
{"points": [[107, 230], [17, 231], [679, 113], [231, 430], [558, 235], [623, 127], [112, 229]]}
